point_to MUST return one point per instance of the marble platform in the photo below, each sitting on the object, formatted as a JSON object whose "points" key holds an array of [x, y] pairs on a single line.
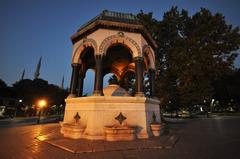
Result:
{"points": [[96, 112]]}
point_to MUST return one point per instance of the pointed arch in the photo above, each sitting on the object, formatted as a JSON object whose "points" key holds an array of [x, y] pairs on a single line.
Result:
{"points": [[122, 39], [85, 43], [147, 50]]}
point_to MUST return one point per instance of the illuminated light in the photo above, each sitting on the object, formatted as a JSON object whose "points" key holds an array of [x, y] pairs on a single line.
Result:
{"points": [[42, 103], [41, 138]]}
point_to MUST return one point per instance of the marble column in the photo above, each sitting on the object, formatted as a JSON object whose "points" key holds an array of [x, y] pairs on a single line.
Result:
{"points": [[74, 79], [98, 83], [139, 76], [80, 85], [151, 73]]}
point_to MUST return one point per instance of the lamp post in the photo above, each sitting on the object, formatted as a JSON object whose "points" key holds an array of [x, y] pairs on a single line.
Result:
{"points": [[211, 105], [206, 106], [41, 104]]}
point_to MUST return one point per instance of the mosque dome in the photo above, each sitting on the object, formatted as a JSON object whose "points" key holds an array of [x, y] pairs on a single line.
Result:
{"points": [[114, 90]]}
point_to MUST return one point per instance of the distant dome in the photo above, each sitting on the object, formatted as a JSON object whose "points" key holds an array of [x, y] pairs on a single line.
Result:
{"points": [[114, 90]]}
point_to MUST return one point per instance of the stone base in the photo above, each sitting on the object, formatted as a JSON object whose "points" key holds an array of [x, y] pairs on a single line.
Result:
{"points": [[96, 112], [71, 96], [139, 94], [119, 133], [97, 93], [74, 131], [156, 129]]}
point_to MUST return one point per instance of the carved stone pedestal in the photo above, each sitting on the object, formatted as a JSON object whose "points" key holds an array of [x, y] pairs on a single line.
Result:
{"points": [[97, 112], [74, 131], [119, 133]]}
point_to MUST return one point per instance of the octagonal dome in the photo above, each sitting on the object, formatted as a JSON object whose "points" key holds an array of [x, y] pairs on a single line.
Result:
{"points": [[114, 21]]}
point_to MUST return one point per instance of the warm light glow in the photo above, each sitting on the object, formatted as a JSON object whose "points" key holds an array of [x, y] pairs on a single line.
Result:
{"points": [[42, 103], [41, 137]]}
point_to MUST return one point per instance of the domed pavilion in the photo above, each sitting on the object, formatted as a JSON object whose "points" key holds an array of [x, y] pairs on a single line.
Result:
{"points": [[115, 43]]}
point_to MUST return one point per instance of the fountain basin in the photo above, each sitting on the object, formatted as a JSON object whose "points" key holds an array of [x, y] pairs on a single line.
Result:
{"points": [[157, 129], [72, 130], [120, 133]]}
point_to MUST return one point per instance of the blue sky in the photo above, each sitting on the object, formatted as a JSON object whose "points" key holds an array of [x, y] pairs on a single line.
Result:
{"points": [[30, 29]]}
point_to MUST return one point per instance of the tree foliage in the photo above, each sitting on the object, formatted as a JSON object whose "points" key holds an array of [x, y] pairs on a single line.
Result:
{"points": [[193, 52], [2, 84], [227, 90], [32, 90]]}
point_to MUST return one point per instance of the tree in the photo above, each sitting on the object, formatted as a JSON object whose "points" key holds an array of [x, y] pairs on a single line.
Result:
{"points": [[30, 91], [193, 51], [227, 90], [2, 84]]}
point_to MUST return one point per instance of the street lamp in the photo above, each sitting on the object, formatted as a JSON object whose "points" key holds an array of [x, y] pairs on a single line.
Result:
{"points": [[41, 104], [211, 105]]}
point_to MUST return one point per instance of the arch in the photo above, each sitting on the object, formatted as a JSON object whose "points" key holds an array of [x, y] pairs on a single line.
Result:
{"points": [[116, 73], [117, 59], [85, 43], [121, 39], [150, 54]]}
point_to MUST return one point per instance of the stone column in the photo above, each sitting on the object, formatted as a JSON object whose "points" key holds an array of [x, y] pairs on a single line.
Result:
{"points": [[139, 76], [98, 83], [74, 79], [151, 73], [80, 85]]}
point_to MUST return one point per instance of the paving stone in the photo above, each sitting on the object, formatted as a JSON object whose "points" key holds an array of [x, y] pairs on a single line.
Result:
{"points": [[192, 142], [131, 154], [172, 140], [110, 146], [97, 146], [122, 145]]}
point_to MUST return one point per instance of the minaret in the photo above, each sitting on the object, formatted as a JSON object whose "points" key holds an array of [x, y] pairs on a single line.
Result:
{"points": [[23, 74], [37, 72], [62, 83]]}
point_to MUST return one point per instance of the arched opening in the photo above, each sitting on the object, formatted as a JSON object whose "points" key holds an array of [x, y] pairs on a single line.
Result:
{"points": [[149, 58], [87, 43], [87, 70], [88, 82], [87, 59], [117, 60]]}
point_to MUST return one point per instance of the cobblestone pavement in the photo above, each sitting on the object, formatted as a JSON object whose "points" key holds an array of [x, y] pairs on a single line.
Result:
{"points": [[199, 139]]}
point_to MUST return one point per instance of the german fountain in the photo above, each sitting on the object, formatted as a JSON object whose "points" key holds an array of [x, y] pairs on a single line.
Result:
{"points": [[115, 43]]}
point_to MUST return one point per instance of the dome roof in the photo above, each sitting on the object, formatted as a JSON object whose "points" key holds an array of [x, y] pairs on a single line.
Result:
{"points": [[114, 90], [113, 21]]}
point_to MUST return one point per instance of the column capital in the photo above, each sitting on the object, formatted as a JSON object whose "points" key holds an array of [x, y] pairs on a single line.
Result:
{"points": [[98, 56], [138, 58], [76, 65]]}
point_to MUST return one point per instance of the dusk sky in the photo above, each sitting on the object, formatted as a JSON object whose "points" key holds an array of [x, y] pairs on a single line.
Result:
{"points": [[30, 29]]}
